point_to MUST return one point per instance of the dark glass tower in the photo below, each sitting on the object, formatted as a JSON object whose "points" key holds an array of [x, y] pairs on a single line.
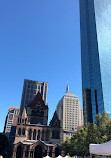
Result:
{"points": [[30, 89], [95, 25]]}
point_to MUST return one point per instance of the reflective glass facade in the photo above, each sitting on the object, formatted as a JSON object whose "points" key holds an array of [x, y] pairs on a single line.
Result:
{"points": [[95, 24]]}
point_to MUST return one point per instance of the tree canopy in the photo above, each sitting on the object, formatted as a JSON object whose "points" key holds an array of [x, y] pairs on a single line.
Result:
{"points": [[97, 132]]}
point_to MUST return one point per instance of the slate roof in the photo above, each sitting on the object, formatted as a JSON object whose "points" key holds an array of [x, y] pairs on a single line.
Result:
{"points": [[38, 98]]}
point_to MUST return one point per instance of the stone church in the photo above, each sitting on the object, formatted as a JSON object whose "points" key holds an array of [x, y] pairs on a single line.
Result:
{"points": [[34, 138]]}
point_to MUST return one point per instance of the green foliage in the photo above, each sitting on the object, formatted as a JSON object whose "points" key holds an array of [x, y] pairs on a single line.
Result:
{"points": [[66, 146], [97, 132]]}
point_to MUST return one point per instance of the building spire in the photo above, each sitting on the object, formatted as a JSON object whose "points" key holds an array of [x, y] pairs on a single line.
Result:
{"points": [[67, 88]]}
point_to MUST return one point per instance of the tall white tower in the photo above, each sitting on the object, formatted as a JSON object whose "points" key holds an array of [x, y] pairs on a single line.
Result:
{"points": [[69, 113]]}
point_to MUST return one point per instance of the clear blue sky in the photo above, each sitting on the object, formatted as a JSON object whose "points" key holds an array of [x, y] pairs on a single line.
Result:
{"points": [[39, 40]]}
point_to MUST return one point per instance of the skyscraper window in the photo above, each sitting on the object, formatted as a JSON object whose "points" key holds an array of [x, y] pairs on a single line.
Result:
{"points": [[95, 24]]}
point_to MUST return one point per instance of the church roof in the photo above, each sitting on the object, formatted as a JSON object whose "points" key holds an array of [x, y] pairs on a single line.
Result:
{"points": [[24, 114], [54, 120], [38, 98]]}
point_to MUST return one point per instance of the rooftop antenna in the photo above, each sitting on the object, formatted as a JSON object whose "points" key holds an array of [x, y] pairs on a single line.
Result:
{"points": [[67, 88]]}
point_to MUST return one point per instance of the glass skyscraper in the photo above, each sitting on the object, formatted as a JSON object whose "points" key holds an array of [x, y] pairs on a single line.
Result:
{"points": [[95, 25]]}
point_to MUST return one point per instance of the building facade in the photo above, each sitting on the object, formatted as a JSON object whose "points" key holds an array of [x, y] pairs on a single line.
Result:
{"points": [[95, 25], [11, 118], [81, 118], [33, 137], [30, 89], [69, 113]]}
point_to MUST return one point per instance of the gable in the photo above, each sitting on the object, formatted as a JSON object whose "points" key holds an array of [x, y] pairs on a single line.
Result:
{"points": [[55, 122]]}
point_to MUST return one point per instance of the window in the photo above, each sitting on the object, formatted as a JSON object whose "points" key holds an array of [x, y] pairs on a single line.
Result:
{"points": [[34, 135], [25, 120], [38, 137], [10, 116], [28, 90], [23, 132], [43, 135], [12, 111], [22, 120], [39, 88], [19, 131], [29, 86], [31, 96], [32, 86], [30, 134], [34, 91], [27, 96]]}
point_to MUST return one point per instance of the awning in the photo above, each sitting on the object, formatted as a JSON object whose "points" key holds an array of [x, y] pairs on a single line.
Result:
{"points": [[100, 149]]}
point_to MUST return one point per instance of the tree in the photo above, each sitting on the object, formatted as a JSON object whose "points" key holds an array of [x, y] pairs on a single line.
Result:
{"points": [[66, 146], [5, 146], [97, 132]]}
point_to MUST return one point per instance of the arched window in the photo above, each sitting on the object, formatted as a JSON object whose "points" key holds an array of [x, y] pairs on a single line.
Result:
{"points": [[19, 131], [34, 134], [57, 135], [30, 134], [19, 153], [23, 131], [25, 120], [53, 134], [38, 136], [38, 151], [57, 151], [47, 135], [42, 134], [18, 120]]}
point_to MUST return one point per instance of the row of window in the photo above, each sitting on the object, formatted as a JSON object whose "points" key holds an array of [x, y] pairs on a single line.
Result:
{"points": [[23, 121], [21, 132], [32, 86], [36, 135]]}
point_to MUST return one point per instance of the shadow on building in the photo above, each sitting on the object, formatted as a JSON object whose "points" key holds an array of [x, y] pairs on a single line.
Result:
{"points": [[32, 137]]}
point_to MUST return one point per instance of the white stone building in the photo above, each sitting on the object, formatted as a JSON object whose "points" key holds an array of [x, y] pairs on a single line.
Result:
{"points": [[82, 120], [69, 113]]}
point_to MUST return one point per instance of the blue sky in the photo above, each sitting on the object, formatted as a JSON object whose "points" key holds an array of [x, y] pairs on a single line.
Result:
{"points": [[39, 40]]}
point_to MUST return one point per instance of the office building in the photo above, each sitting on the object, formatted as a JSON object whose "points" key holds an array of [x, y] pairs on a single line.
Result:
{"points": [[11, 118], [69, 114], [30, 89], [81, 119], [95, 25]]}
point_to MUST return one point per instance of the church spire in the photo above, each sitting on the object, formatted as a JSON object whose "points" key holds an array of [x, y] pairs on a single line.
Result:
{"points": [[67, 88]]}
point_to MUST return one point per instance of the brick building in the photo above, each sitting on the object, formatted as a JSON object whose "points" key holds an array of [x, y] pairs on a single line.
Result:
{"points": [[34, 138]]}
